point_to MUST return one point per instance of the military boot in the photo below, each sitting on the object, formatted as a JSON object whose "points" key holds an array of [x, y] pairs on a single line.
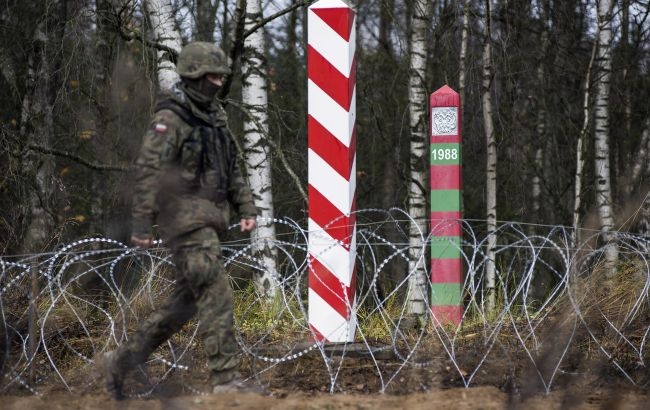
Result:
{"points": [[113, 376]]}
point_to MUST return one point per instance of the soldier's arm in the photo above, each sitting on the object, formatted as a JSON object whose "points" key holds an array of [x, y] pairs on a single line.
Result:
{"points": [[157, 145]]}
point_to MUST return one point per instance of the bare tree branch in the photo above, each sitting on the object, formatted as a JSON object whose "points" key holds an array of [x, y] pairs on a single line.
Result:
{"points": [[280, 13], [89, 164], [118, 22]]}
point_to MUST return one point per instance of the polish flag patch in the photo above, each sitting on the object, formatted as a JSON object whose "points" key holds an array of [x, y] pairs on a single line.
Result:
{"points": [[161, 128]]}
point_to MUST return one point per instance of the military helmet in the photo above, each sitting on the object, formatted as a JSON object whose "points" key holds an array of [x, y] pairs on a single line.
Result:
{"points": [[200, 58]]}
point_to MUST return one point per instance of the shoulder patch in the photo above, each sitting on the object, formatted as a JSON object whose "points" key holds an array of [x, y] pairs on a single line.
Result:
{"points": [[160, 128]]}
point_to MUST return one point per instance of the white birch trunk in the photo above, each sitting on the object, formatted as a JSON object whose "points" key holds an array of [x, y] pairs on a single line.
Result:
{"points": [[642, 167], [257, 150], [540, 129], [641, 161], [577, 198], [491, 167], [580, 160], [417, 189], [161, 16], [601, 131]]}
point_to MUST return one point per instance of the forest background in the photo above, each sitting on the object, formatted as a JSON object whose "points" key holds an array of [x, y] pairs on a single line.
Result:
{"points": [[554, 99]]}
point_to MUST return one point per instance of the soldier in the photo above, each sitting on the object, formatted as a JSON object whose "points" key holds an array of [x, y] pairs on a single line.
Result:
{"points": [[187, 179]]}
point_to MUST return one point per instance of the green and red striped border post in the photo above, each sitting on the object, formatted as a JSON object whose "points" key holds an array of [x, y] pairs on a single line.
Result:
{"points": [[446, 207]]}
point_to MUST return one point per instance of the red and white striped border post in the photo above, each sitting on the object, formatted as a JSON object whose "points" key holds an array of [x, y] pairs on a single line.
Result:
{"points": [[331, 70]]}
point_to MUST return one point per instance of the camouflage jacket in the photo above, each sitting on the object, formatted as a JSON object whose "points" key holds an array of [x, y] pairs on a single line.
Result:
{"points": [[187, 176]]}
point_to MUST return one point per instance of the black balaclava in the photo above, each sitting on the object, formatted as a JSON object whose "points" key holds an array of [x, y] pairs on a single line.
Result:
{"points": [[201, 91]]}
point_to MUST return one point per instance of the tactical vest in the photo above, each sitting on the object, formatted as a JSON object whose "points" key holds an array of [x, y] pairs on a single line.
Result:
{"points": [[204, 158]]}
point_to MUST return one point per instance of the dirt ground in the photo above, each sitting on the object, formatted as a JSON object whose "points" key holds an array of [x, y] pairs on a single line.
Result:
{"points": [[505, 379], [302, 385], [454, 398]]}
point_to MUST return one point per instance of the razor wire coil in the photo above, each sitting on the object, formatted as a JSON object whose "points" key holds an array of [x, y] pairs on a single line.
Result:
{"points": [[75, 324]]}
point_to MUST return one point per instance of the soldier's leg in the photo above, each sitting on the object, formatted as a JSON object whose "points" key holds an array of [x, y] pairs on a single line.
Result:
{"points": [[206, 275], [215, 308], [177, 310]]}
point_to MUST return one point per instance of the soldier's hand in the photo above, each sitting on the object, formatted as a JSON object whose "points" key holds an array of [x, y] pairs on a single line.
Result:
{"points": [[141, 242], [247, 224]]}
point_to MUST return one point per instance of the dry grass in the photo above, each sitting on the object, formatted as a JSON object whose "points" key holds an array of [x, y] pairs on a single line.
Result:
{"points": [[612, 316]]}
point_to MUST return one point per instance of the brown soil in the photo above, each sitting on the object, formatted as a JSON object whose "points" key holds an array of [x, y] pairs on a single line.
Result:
{"points": [[454, 398], [568, 372], [304, 384]]}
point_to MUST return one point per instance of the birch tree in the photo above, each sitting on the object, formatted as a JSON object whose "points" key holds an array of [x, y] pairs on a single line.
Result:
{"points": [[540, 129], [257, 149], [580, 160], [601, 133], [417, 189], [641, 162], [161, 16], [491, 163]]}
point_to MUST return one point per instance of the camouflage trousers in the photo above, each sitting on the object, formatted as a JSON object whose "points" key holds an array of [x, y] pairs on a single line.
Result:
{"points": [[202, 288]]}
